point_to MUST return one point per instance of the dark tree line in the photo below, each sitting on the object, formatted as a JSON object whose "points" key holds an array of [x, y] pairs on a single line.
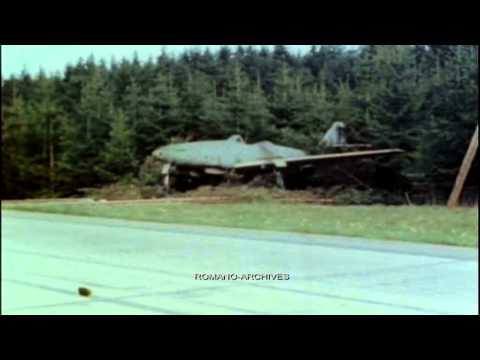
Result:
{"points": [[95, 123]]}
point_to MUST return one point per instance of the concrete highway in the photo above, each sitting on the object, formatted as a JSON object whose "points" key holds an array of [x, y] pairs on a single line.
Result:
{"points": [[144, 268]]}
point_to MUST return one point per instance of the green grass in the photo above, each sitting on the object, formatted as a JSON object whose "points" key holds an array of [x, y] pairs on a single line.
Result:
{"points": [[436, 225]]}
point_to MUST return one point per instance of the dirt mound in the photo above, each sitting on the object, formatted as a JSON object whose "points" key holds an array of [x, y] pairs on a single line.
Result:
{"points": [[217, 194], [246, 193]]}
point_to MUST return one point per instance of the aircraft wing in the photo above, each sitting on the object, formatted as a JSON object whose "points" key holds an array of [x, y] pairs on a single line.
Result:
{"points": [[280, 163]]}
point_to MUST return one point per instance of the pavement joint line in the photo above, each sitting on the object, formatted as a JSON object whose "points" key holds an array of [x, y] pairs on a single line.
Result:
{"points": [[120, 302], [148, 293], [383, 270], [127, 297], [267, 236], [186, 276], [95, 262], [245, 284], [363, 301], [89, 283]]}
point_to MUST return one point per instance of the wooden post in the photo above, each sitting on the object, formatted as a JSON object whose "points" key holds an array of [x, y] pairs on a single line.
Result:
{"points": [[454, 200]]}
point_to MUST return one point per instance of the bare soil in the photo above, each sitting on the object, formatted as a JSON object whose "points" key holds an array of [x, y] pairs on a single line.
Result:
{"points": [[206, 194], [245, 193]]}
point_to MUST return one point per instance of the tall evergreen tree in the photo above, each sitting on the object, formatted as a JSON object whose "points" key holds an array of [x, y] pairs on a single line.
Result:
{"points": [[85, 134], [160, 119], [118, 158]]}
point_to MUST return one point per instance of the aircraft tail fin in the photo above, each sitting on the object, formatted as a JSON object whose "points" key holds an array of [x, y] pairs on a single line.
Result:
{"points": [[335, 136]]}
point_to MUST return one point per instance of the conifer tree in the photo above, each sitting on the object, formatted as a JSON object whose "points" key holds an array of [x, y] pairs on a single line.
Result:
{"points": [[160, 118], [85, 134], [118, 158]]}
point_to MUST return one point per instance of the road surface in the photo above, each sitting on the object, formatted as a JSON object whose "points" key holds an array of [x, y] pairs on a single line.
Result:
{"points": [[144, 268]]}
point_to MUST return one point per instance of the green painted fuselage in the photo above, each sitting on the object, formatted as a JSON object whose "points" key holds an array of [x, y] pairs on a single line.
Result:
{"points": [[224, 153]]}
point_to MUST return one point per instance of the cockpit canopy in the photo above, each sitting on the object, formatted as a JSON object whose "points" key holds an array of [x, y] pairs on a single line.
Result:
{"points": [[236, 138]]}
